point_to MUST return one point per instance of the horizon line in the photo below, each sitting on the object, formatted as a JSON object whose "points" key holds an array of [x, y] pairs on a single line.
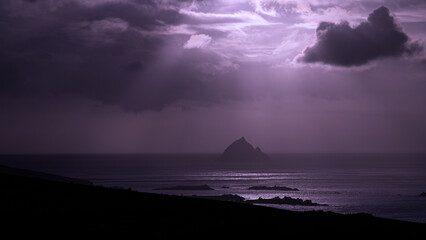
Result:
{"points": [[195, 153]]}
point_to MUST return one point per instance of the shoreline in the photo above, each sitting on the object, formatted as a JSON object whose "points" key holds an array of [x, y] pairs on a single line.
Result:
{"points": [[49, 207]]}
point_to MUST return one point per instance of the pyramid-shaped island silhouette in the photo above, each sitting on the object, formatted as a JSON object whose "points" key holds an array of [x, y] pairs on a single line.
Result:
{"points": [[242, 151]]}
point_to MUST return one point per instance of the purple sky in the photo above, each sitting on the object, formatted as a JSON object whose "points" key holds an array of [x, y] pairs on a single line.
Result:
{"points": [[135, 76]]}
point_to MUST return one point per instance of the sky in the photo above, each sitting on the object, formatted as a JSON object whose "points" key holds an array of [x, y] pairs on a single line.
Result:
{"points": [[192, 76]]}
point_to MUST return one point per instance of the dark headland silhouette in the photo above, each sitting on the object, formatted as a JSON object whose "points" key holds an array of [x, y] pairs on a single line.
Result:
{"points": [[242, 151], [33, 206]]}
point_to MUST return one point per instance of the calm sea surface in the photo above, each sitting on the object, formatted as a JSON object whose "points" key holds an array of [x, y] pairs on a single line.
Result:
{"points": [[380, 184]]}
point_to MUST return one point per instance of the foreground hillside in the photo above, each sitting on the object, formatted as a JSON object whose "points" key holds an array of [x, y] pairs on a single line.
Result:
{"points": [[36, 207]]}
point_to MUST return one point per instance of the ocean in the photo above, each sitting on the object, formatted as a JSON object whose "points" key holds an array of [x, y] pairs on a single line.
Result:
{"points": [[384, 185]]}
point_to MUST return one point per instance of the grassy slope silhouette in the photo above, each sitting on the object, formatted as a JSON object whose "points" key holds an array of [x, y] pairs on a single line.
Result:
{"points": [[38, 207]]}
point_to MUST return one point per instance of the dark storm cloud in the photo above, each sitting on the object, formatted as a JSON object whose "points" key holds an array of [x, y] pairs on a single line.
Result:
{"points": [[109, 52], [342, 45], [72, 45]]}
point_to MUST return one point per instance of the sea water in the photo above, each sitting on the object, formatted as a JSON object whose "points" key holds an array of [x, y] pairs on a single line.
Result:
{"points": [[384, 185]]}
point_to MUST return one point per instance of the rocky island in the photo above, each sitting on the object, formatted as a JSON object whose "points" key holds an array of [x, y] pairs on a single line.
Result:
{"points": [[285, 200], [274, 188], [275, 200], [242, 151], [188, 188]]}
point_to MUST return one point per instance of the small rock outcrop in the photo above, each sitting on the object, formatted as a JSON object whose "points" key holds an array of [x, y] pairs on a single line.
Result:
{"points": [[285, 200], [274, 188], [275, 200], [188, 188]]}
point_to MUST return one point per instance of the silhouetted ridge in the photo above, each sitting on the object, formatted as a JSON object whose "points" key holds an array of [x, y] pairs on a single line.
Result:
{"points": [[242, 151], [37, 208], [40, 175]]}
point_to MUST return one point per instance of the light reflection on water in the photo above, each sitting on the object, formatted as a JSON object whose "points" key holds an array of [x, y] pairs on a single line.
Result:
{"points": [[383, 185], [384, 194]]}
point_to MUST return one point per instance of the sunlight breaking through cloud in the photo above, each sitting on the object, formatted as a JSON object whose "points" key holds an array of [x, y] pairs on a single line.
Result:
{"points": [[198, 41]]}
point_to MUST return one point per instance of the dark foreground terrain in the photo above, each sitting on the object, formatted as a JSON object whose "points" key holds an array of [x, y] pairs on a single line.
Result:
{"points": [[36, 207]]}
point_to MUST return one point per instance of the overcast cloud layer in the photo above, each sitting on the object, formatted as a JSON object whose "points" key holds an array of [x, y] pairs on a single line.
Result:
{"points": [[282, 62], [147, 55]]}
